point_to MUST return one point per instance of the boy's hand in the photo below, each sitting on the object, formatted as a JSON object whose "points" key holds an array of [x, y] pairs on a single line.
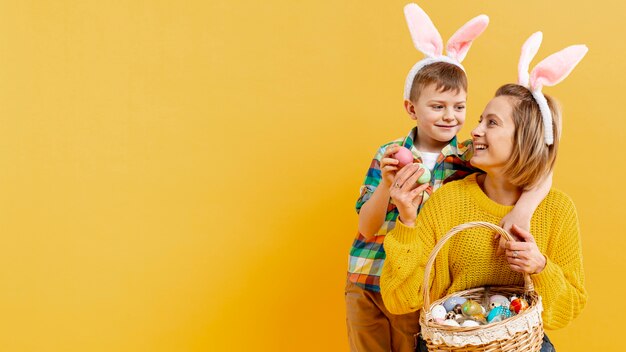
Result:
{"points": [[389, 165], [407, 193], [514, 217], [524, 256]]}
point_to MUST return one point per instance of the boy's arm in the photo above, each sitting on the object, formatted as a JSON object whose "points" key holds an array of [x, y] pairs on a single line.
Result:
{"points": [[525, 208], [373, 212], [372, 206]]}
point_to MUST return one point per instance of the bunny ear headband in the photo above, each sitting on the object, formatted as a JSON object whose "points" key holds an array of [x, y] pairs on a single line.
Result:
{"points": [[427, 39], [548, 72]]}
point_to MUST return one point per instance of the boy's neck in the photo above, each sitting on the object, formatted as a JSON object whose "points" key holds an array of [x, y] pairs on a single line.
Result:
{"points": [[498, 189], [425, 143]]}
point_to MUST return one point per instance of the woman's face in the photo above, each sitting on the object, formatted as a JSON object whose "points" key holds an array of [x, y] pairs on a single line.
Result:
{"points": [[493, 137]]}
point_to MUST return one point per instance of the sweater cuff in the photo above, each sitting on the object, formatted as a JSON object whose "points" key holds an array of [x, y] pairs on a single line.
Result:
{"points": [[549, 276], [404, 234]]}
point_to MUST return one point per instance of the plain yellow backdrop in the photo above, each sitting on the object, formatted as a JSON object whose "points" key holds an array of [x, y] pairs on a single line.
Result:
{"points": [[181, 175]]}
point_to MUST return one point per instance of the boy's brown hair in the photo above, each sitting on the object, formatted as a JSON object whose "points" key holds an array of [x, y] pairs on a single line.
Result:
{"points": [[445, 75]]}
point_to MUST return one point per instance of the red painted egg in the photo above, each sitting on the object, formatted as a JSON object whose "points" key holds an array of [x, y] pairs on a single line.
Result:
{"points": [[518, 305]]}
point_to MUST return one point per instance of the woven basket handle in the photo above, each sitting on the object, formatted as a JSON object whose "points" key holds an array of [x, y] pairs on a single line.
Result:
{"points": [[528, 283]]}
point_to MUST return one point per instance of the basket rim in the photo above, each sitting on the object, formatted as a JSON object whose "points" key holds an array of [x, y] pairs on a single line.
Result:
{"points": [[428, 316], [482, 334]]}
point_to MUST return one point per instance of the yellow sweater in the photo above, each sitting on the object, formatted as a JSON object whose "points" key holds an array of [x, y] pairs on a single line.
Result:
{"points": [[469, 259]]}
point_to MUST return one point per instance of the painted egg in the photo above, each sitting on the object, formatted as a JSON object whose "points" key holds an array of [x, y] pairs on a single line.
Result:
{"points": [[518, 305], [503, 301], [404, 156], [479, 318], [425, 176], [470, 323], [438, 312], [493, 305], [453, 301], [458, 309], [471, 307], [450, 322], [450, 315], [498, 314]]}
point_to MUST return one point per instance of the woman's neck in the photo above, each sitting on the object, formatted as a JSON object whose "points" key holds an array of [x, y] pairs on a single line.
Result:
{"points": [[498, 189]]}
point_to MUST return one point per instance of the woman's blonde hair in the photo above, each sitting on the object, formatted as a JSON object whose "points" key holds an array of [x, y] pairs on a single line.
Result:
{"points": [[531, 159]]}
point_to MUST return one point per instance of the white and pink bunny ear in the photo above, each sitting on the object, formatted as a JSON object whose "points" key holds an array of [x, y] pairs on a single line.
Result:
{"points": [[556, 67], [461, 41], [548, 72], [529, 50], [425, 36]]}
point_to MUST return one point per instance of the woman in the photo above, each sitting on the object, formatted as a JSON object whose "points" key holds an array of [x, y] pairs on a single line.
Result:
{"points": [[509, 145]]}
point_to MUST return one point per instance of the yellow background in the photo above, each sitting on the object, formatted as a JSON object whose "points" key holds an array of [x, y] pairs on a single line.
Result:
{"points": [[181, 176]]}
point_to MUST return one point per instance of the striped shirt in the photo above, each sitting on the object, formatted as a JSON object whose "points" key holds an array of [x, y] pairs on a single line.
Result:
{"points": [[367, 256]]}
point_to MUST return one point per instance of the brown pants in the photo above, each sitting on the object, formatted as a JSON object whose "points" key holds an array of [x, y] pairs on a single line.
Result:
{"points": [[372, 328]]}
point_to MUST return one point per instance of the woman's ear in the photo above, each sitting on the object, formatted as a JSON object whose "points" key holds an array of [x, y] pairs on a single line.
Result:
{"points": [[410, 109]]}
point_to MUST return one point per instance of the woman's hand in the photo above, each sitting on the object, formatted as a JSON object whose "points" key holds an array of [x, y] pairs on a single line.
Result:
{"points": [[524, 256], [389, 165], [407, 193]]}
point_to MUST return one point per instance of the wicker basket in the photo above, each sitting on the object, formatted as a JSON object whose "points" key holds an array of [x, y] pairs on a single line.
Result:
{"points": [[523, 332]]}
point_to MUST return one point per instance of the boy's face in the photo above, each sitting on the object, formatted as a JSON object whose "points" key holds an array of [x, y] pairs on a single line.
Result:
{"points": [[439, 116]]}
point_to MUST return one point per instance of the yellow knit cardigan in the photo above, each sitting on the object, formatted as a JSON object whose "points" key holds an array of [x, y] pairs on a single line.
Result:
{"points": [[469, 259]]}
